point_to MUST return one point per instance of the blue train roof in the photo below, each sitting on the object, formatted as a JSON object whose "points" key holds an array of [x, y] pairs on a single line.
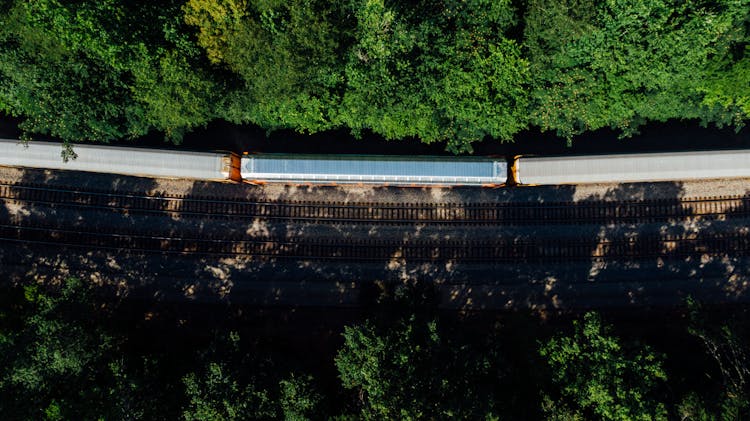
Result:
{"points": [[374, 169]]}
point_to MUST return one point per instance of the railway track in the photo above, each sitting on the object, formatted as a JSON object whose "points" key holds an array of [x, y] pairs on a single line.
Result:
{"points": [[495, 250], [594, 212], [501, 250]]}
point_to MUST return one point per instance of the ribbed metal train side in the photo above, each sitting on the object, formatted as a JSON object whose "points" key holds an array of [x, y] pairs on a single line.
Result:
{"points": [[634, 167], [121, 160]]}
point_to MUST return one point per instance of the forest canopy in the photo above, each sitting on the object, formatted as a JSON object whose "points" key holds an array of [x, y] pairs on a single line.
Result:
{"points": [[452, 71], [69, 352]]}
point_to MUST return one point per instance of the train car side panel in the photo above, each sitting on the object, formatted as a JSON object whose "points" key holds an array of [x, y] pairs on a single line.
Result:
{"points": [[635, 167], [120, 160]]}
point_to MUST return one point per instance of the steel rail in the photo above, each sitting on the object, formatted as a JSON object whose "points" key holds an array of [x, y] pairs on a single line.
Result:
{"points": [[667, 247], [641, 211]]}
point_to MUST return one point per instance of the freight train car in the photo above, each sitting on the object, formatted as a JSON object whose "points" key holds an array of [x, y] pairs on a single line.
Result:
{"points": [[377, 169], [122, 160], [633, 167]]}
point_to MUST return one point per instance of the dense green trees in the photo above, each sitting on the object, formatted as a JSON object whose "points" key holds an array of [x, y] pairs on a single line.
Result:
{"points": [[282, 55], [56, 354], [442, 71], [101, 70], [599, 379], [409, 370], [65, 356], [66, 353], [620, 64], [232, 383], [725, 338]]}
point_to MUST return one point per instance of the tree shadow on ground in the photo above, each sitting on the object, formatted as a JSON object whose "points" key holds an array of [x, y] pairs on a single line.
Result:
{"points": [[654, 263], [542, 264]]}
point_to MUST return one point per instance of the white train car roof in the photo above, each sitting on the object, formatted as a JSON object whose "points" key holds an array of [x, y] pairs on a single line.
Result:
{"points": [[635, 167], [378, 169], [118, 160]]}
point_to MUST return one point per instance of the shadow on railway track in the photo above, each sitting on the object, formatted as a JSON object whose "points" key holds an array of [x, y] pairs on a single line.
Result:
{"points": [[546, 248], [36, 220], [690, 251]]}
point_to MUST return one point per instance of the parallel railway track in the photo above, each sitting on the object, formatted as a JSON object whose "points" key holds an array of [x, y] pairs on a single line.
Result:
{"points": [[594, 212], [668, 247], [494, 250]]}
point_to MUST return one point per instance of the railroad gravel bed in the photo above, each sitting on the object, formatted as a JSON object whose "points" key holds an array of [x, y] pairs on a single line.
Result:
{"points": [[533, 258], [161, 277]]}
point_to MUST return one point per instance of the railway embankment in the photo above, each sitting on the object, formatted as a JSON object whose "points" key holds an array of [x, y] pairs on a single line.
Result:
{"points": [[530, 246]]}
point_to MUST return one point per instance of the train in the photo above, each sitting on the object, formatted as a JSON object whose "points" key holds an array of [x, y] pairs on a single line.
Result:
{"points": [[259, 168]]}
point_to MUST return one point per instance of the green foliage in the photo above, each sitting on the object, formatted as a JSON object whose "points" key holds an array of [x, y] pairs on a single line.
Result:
{"points": [[57, 361], [453, 71], [298, 398], [63, 356], [440, 72], [726, 341], [101, 70], [598, 377], [728, 88], [236, 385], [619, 64], [693, 409], [283, 57], [408, 371], [215, 395], [216, 21]]}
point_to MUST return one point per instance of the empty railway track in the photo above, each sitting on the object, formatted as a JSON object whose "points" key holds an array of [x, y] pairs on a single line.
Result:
{"points": [[494, 250], [499, 213], [500, 250]]}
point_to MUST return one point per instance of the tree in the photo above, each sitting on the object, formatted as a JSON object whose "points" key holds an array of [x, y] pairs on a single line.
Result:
{"points": [[725, 340], [216, 395], [58, 362], [597, 377], [233, 384], [284, 58], [299, 399], [619, 64], [727, 87], [101, 70], [439, 71], [408, 371]]}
